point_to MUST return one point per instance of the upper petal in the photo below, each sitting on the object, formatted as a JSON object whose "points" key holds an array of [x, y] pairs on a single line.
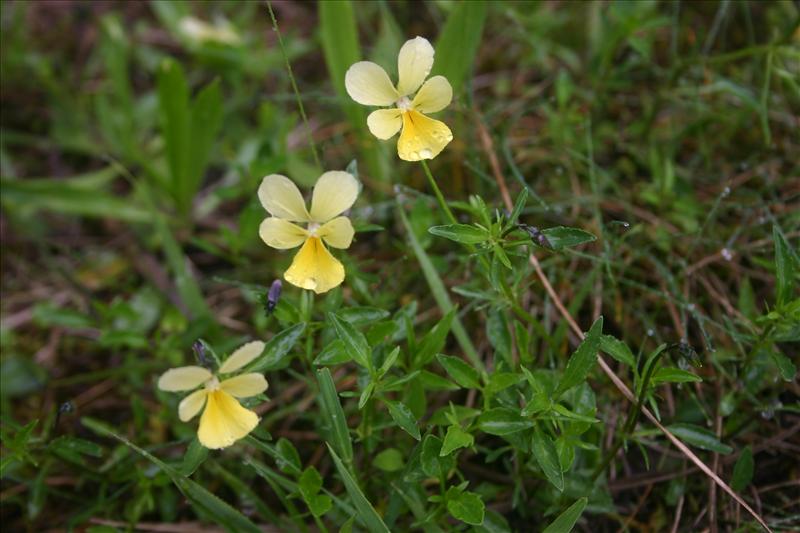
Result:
{"points": [[191, 405], [334, 193], [314, 268], [183, 378], [242, 357], [414, 63], [384, 123], [435, 95], [281, 234], [224, 421], [337, 232], [245, 385], [368, 84], [422, 137], [281, 198]]}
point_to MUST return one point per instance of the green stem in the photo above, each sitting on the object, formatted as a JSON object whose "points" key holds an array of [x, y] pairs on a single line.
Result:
{"points": [[438, 193], [294, 86]]}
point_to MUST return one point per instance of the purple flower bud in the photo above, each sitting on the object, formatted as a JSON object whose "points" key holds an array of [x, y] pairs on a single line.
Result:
{"points": [[273, 296]]}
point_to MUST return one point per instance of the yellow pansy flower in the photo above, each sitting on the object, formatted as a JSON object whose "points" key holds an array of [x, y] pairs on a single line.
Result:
{"points": [[224, 420], [421, 137], [313, 268]]}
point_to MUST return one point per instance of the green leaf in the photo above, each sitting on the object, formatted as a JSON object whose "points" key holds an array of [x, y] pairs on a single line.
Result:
{"points": [[460, 371], [582, 361], [333, 413], [309, 485], [562, 237], [354, 341], [366, 512], [499, 381], [173, 101], [434, 340], [389, 362], [784, 267], [785, 366], [743, 470], [454, 439], [333, 353], [69, 197], [287, 459], [361, 316], [463, 233], [699, 437], [566, 520], [465, 506], [403, 417], [199, 497], [669, 374], [544, 450], [503, 421], [366, 394], [618, 350], [434, 464], [277, 349], [389, 460], [458, 43], [205, 120], [195, 454]]}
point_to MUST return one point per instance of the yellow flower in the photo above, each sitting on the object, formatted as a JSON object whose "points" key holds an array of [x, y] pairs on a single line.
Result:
{"points": [[224, 420], [421, 137], [313, 268]]}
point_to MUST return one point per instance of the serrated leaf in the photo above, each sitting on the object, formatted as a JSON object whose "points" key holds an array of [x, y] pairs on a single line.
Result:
{"points": [[583, 360], [462, 233], [567, 520], [544, 450], [403, 417], [461, 372], [563, 237]]}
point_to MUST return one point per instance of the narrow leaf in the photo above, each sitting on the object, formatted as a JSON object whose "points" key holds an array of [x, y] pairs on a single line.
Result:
{"points": [[583, 360], [544, 450], [562, 237], [332, 410], [404, 418], [354, 341], [366, 512], [700, 437], [566, 520], [463, 233], [460, 371], [459, 41]]}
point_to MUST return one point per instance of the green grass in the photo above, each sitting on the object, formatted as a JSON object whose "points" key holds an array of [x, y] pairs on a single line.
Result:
{"points": [[648, 149]]}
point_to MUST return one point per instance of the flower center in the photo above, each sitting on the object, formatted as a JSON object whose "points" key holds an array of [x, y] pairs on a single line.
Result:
{"points": [[404, 104], [312, 228], [212, 384]]}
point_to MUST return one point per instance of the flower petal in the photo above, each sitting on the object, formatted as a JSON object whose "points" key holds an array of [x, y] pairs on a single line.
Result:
{"points": [[191, 405], [281, 198], [314, 268], [414, 63], [337, 232], [384, 123], [224, 421], [334, 193], [242, 357], [435, 95], [183, 378], [368, 84], [422, 137], [245, 385], [281, 234]]}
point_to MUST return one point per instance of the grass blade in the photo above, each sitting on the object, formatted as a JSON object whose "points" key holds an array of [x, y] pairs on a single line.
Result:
{"points": [[440, 293], [332, 409], [566, 520], [366, 512], [458, 42]]}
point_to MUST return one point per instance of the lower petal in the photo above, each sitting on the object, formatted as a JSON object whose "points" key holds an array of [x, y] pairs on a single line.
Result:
{"points": [[422, 137], [314, 268], [224, 421]]}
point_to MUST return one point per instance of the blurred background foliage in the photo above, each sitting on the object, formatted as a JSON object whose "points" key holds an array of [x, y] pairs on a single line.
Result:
{"points": [[134, 136]]}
